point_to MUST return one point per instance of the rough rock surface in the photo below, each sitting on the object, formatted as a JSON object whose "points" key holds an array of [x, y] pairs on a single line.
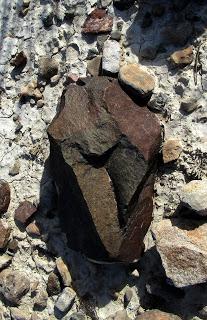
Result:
{"points": [[157, 315], [181, 245], [25, 210], [171, 151], [111, 57], [14, 285], [98, 22], [194, 196], [182, 57], [137, 81], [110, 164]]}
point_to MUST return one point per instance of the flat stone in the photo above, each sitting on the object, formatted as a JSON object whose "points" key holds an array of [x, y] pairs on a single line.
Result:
{"points": [[64, 272], [33, 229], [65, 300], [181, 244], [157, 315], [98, 21], [136, 81], [106, 146], [111, 57], [4, 196], [182, 58], [189, 105], [25, 210], [14, 285], [171, 151], [5, 231], [94, 66], [48, 67], [194, 196]]}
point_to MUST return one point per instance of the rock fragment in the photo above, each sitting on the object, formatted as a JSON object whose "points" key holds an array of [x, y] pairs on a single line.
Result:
{"points": [[33, 229], [171, 151], [136, 81], [41, 299], [5, 231], [20, 60], [157, 315], [182, 248], [94, 66], [189, 105], [98, 21], [25, 210], [13, 285], [15, 169], [182, 58], [48, 67], [118, 142], [65, 300], [64, 272], [17, 314], [4, 196], [53, 284], [111, 57], [194, 196]]}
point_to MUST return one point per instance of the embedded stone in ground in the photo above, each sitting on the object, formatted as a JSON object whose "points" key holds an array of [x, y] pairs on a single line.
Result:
{"points": [[157, 315], [181, 244], [25, 210], [98, 21], [103, 154], [136, 81], [194, 196], [5, 231]]}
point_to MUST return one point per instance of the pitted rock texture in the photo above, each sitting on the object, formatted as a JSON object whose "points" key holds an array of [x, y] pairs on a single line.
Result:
{"points": [[98, 21], [103, 157]]}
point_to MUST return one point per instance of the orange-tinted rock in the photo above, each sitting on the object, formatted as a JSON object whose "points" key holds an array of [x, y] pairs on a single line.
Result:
{"points": [[103, 153], [25, 210], [4, 196], [98, 21], [182, 57], [171, 151], [157, 315]]}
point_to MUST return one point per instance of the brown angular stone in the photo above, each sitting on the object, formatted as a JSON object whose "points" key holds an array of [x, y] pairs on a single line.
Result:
{"points": [[25, 210], [98, 21], [94, 66], [157, 315], [33, 229], [14, 285], [5, 231], [103, 154], [182, 57], [171, 151], [4, 196]]}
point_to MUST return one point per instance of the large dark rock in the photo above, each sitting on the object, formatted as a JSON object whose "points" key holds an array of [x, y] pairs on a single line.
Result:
{"points": [[103, 158]]}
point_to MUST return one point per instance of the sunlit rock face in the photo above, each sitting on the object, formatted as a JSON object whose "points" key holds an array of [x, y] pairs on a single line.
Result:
{"points": [[103, 156]]}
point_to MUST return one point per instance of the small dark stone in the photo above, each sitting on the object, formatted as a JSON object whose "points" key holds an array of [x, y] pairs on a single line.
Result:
{"points": [[4, 196], [53, 285], [157, 103], [20, 60]]}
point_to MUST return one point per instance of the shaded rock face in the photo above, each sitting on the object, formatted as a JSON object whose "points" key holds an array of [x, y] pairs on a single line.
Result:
{"points": [[103, 157]]}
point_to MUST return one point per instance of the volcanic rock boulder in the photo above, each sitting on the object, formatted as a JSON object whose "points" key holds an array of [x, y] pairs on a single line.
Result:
{"points": [[103, 158]]}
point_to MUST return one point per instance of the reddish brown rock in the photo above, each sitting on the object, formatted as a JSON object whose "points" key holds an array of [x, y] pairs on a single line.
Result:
{"points": [[157, 315], [53, 284], [4, 196], [103, 155], [98, 21], [25, 210], [5, 231]]}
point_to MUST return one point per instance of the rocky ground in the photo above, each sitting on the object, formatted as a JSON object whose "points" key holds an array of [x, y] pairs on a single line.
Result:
{"points": [[46, 44]]}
